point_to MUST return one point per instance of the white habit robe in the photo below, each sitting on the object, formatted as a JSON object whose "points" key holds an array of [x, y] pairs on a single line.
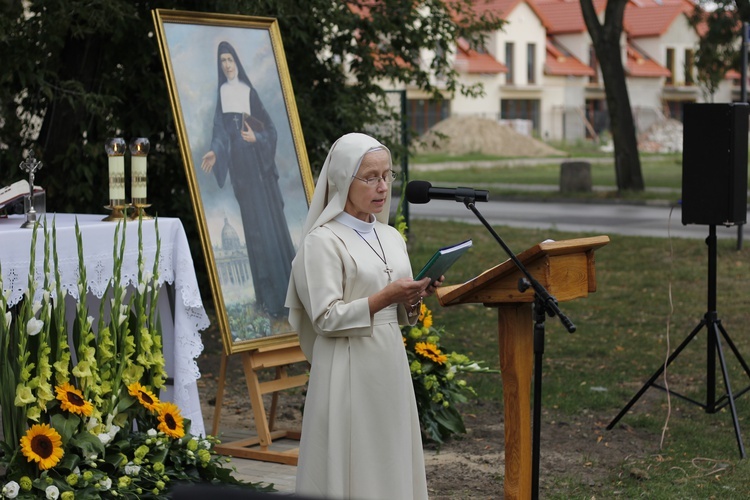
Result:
{"points": [[360, 431]]}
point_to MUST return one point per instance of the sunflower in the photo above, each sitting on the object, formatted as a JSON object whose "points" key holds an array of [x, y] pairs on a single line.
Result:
{"points": [[430, 351], [42, 444], [71, 399], [425, 316], [422, 311], [170, 420], [144, 396]]}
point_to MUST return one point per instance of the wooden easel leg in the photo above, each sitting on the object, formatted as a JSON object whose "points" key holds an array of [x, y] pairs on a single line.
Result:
{"points": [[516, 340], [280, 373], [256, 401], [220, 393]]}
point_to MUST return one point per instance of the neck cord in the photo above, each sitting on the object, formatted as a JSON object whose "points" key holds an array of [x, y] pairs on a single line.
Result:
{"points": [[388, 270]]}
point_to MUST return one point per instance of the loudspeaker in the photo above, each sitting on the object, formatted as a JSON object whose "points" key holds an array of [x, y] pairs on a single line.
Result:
{"points": [[714, 163]]}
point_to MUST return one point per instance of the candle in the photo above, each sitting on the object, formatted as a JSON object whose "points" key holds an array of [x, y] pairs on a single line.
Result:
{"points": [[138, 186], [115, 149], [139, 148], [117, 178]]}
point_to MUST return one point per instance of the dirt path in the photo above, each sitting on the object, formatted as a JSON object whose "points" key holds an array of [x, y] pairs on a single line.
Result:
{"points": [[575, 451]]}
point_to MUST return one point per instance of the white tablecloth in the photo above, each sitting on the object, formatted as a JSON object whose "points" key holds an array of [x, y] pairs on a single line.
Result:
{"points": [[182, 319]]}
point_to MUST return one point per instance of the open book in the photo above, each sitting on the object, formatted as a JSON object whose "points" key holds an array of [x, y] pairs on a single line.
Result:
{"points": [[442, 260], [15, 192]]}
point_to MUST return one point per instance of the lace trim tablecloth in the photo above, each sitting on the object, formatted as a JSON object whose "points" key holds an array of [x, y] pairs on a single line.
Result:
{"points": [[175, 267]]}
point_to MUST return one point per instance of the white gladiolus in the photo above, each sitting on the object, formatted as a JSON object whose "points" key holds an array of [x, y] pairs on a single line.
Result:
{"points": [[8, 319], [147, 276], [141, 288], [35, 308], [34, 326]]}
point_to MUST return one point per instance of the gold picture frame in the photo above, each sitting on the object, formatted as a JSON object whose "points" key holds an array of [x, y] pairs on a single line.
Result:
{"points": [[249, 177]]}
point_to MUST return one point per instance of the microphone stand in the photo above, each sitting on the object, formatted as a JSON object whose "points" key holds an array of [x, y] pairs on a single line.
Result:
{"points": [[544, 304]]}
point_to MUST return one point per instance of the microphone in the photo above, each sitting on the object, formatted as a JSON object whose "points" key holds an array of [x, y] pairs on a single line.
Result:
{"points": [[422, 192]]}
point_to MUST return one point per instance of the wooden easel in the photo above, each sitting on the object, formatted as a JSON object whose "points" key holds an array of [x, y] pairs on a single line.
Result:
{"points": [[567, 270], [260, 447]]}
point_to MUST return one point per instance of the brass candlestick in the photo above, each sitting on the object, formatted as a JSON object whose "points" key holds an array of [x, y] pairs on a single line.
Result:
{"points": [[30, 165], [115, 149], [139, 148]]}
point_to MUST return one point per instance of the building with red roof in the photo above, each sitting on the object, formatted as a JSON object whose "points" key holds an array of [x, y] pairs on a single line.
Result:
{"points": [[541, 67]]}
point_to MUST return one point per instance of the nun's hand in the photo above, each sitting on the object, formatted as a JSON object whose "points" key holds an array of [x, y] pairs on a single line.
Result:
{"points": [[433, 286]]}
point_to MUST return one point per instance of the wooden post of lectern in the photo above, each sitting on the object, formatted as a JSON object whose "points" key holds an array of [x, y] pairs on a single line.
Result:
{"points": [[566, 270]]}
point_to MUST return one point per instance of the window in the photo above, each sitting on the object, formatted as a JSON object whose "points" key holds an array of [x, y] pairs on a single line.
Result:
{"points": [[509, 76], [689, 66], [531, 63], [670, 67], [424, 113], [524, 109]]}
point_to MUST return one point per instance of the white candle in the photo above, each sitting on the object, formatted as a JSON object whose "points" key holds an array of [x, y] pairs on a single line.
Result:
{"points": [[117, 178], [138, 177]]}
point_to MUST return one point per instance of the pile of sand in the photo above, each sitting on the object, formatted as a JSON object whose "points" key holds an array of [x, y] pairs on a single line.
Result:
{"points": [[464, 135]]}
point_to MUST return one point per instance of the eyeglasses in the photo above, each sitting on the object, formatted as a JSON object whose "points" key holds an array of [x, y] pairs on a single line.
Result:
{"points": [[388, 178]]}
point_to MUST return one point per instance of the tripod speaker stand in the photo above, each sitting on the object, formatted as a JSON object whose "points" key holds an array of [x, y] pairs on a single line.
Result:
{"points": [[715, 332], [714, 191]]}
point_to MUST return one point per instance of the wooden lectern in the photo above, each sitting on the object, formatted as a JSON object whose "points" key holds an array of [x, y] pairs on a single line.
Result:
{"points": [[566, 270]]}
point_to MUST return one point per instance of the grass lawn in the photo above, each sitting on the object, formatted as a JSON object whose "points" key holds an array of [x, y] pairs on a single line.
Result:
{"points": [[651, 294], [663, 172]]}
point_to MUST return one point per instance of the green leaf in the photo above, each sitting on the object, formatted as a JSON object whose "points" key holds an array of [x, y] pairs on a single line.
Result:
{"points": [[87, 443], [66, 425], [451, 420]]}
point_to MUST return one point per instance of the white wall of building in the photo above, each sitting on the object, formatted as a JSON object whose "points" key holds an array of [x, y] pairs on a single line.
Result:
{"points": [[523, 28], [487, 106]]}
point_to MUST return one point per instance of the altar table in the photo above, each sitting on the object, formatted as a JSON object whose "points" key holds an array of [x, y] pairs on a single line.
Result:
{"points": [[181, 311]]}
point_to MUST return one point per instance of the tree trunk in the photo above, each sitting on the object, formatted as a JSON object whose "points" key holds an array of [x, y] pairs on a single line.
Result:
{"points": [[606, 40]]}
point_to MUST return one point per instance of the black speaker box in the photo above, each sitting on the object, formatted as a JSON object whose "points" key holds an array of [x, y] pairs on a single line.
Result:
{"points": [[714, 163]]}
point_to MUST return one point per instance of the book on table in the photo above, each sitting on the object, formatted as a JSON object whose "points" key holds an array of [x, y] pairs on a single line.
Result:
{"points": [[15, 192], [443, 259]]}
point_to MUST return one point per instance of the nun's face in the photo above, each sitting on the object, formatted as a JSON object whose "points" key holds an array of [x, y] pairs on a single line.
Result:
{"points": [[229, 66], [370, 185]]}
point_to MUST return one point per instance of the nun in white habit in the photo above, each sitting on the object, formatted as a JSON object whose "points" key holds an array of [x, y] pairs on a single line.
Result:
{"points": [[351, 286]]}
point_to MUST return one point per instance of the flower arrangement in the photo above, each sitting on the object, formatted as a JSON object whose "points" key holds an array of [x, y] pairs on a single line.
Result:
{"points": [[81, 416], [436, 376]]}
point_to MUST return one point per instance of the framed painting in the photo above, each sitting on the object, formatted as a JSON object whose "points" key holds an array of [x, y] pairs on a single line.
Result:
{"points": [[246, 163]]}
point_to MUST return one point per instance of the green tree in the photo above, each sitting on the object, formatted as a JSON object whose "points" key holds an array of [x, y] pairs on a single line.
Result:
{"points": [[718, 50], [76, 72], [606, 38]]}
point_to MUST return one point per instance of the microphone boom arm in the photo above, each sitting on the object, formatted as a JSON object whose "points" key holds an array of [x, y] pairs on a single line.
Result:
{"points": [[545, 299]]}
